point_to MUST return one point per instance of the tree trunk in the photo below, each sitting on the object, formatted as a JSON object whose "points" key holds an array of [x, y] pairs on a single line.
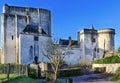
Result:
{"points": [[55, 76]]}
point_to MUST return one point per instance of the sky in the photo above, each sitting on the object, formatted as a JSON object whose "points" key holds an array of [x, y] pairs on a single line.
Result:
{"points": [[70, 16]]}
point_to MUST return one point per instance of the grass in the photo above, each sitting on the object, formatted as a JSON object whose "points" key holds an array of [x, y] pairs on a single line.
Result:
{"points": [[115, 79], [11, 75], [58, 81], [3, 77], [21, 79]]}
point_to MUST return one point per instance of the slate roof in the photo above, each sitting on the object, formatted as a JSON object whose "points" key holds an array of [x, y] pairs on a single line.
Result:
{"points": [[33, 29], [66, 42]]}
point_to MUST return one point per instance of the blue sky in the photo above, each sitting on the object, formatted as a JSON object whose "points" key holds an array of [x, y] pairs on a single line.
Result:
{"points": [[70, 16]]}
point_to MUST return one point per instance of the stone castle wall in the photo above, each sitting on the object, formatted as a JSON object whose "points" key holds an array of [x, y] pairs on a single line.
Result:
{"points": [[13, 22], [35, 16], [110, 68], [94, 43], [26, 41]]}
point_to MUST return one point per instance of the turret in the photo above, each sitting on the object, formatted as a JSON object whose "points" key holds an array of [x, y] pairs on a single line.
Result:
{"points": [[106, 39]]}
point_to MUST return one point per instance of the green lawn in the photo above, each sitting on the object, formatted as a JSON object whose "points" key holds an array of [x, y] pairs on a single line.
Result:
{"points": [[11, 75], [22, 79], [3, 77], [15, 78]]}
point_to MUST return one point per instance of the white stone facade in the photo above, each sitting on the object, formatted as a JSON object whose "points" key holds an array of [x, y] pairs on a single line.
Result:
{"points": [[110, 68], [27, 54], [91, 45], [95, 43], [15, 22]]}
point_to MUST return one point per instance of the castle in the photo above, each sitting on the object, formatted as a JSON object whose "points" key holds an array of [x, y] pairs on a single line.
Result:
{"points": [[24, 30], [27, 31], [91, 45], [95, 43]]}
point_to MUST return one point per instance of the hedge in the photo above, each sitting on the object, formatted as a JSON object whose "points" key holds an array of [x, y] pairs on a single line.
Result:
{"points": [[108, 60], [66, 73]]}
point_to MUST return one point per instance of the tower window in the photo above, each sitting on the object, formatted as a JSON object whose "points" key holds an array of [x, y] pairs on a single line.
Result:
{"points": [[35, 38], [12, 37], [93, 39], [97, 50], [94, 49]]}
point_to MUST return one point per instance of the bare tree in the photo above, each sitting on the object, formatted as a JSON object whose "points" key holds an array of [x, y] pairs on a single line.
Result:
{"points": [[55, 54]]}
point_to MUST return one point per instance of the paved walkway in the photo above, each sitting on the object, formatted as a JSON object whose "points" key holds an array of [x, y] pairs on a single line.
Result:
{"points": [[90, 78]]}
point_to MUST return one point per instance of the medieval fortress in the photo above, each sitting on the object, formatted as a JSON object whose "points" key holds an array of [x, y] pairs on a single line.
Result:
{"points": [[24, 30], [95, 43]]}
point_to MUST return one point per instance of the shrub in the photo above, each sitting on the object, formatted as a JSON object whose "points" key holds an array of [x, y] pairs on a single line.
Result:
{"points": [[117, 73], [107, 60], [64, 73], [69, 80], [69, 72], [32, 72], [117, 76], [49, 75]]}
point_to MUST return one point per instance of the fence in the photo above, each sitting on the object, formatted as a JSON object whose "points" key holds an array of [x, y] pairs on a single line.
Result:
{"points": [[9, 71]]}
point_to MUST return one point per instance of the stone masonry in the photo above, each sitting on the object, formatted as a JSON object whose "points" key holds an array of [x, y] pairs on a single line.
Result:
{"points": [[95, 43], [23, 28]]}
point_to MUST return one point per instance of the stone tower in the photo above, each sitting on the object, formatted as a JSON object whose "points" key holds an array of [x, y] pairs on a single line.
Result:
{"points": [[23, 28], [106, 40], [94, 43]]}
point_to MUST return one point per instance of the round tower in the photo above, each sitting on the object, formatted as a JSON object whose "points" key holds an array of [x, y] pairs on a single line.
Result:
{"points": [[106, 39]]}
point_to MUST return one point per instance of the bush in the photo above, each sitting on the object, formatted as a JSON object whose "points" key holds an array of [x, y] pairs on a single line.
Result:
{"points": [[80, 66], [69, 80], [32, 72], [117, 73], [49, 75], [14, 68], [108, 60], [69, 72], [117, 76], [64, 73]]}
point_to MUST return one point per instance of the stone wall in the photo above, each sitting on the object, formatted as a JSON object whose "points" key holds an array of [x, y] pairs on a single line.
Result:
{"points": [[43, 66], [25, 42], [73, 57], [35, 16], [13, 22], [94, 43], [110, 68]]}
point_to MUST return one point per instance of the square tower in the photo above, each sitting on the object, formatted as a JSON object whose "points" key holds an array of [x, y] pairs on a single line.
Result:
{"points": [[16, 23]]}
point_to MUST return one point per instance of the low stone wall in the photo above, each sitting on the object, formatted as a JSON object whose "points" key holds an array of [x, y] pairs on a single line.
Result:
{"points": [[42, 66], [110, 68]]}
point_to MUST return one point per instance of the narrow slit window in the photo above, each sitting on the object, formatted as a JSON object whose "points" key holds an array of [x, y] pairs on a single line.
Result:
{"points": [[93, 40], [97, 50], [12, 37]]}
